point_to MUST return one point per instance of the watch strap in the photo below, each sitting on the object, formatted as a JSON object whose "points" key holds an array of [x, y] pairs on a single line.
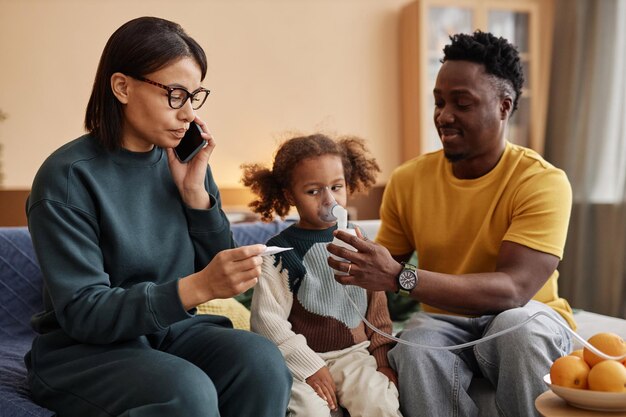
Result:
{"points": [[409, 267]]}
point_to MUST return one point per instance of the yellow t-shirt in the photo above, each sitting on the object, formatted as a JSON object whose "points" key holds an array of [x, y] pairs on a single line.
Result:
{"points": [[456, 226]]}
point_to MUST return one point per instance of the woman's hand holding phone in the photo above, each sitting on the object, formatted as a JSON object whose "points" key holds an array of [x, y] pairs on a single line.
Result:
{"points": [[231, 272], [189, 176]]}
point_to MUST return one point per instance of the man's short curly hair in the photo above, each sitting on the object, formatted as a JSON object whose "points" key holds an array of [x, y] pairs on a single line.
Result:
{"points": [[499, 57]]}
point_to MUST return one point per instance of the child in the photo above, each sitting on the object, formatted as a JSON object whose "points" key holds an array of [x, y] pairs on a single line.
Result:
{"points": [[334, 358]]}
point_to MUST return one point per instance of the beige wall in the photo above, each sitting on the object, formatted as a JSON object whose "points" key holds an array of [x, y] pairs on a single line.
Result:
{"points": [[275, 67]]}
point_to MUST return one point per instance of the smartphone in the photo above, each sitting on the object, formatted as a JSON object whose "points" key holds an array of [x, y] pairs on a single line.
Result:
{"points": [[190, 144]]}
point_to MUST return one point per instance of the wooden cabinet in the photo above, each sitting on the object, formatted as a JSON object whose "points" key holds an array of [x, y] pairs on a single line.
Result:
{"points": [[425, 27]]}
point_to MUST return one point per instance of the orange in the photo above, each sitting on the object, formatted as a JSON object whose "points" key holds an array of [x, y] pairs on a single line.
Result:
{"points": [[570, 371], [608, 376], [577, 352], [609, 343]]}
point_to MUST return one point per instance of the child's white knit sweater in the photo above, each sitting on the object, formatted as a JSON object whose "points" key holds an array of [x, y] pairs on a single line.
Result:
{"points": [[299, 305]]}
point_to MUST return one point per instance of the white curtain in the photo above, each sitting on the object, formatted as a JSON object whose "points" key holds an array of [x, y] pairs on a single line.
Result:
{"points": [[586, 136]]}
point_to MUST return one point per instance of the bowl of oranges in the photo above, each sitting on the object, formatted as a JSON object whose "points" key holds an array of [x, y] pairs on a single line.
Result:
{"points": [[589, 381]]}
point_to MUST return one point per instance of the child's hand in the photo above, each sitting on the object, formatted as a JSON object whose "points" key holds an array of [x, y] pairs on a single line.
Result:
{"points": [[322, 382], [389, 373]]}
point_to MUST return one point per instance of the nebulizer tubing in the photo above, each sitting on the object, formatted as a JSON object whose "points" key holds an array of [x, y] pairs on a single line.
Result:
{"points": [[486, 338], [340, 214]]}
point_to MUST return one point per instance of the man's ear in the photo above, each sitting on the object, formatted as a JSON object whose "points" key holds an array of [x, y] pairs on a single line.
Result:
{"points": [[506, 107], [119, 86]]}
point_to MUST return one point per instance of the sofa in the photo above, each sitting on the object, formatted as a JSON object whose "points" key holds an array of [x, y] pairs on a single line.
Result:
{"points": [[20, 298]]}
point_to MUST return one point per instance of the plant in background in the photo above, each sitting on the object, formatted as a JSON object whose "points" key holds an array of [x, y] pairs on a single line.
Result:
{"points": [[3, 116]]}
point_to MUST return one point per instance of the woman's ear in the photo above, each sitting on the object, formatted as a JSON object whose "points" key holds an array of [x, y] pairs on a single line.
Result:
{"points": [[119, 86]]}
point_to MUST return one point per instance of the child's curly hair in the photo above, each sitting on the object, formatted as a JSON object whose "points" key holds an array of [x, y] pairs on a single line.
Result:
{"points": [[359, 170]]}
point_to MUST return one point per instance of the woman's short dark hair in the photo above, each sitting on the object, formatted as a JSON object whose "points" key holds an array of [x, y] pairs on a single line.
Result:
{"points": [[139, 47]]}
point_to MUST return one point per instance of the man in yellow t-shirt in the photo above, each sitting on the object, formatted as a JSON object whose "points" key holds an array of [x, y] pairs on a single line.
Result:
{"points": [[488, 220]]}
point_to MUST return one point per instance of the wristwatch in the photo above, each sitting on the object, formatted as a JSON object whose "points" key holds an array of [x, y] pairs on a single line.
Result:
{"points": [[407, 279]]}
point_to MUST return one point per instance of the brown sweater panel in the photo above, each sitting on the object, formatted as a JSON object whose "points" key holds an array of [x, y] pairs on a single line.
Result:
{"points": [[378, 315], [325, 334]]}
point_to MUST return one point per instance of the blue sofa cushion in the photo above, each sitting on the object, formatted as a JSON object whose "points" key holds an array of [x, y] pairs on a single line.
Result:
{"points": [[257, 232], [20, 298], [20, 284]]}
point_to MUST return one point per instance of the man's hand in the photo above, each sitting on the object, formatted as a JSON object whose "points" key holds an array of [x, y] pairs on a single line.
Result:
{"points": [[372, 267], [322, 382]]}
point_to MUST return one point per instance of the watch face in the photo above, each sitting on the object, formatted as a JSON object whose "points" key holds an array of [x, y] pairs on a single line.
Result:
{"points": [[407, 280]]}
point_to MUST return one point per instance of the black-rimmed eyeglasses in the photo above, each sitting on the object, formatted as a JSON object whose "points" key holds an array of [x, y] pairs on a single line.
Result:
{"points": [[178, 96]]}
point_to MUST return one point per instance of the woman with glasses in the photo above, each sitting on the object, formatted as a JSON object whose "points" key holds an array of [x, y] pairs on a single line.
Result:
{"points": [[130, 240]]}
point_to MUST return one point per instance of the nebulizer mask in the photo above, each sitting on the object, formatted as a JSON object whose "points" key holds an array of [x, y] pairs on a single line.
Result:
{"points": [[331, 211]]}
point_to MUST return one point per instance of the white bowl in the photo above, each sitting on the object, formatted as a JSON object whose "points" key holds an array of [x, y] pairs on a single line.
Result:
{"points": [[589, 400]]}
